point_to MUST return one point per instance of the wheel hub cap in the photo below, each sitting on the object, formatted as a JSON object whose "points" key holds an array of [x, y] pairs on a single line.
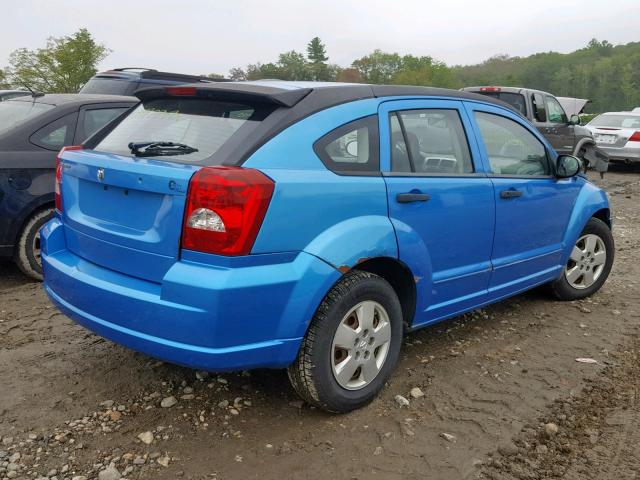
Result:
{"points": [[360, 345], [586, 262]]}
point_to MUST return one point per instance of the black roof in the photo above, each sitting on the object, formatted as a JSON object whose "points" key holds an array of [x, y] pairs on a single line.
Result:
{"points": [[293, 101], [69, 99], [318, 95]]}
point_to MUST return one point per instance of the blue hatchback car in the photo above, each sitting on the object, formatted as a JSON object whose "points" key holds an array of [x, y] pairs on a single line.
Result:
{"points": [[308, 225]]}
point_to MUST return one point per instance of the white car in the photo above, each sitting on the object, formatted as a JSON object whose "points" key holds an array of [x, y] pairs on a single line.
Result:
{"points": [[618, 135]]}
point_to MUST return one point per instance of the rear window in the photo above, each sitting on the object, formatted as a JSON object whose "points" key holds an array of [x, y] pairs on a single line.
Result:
{"points": [[14, 113], [203, 124], [516, 100], [616, 121], [109, 86]]}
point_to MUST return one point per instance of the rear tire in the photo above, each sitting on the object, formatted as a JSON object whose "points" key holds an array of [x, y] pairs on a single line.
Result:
{"points": [[589, 265], [320, 372], [27, 254]]}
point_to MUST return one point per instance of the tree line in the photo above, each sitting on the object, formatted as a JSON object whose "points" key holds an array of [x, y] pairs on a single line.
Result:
{"points": [[608, 75]]}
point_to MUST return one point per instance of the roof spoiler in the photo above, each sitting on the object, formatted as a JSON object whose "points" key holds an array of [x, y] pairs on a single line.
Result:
{"points": [[229, 92]]}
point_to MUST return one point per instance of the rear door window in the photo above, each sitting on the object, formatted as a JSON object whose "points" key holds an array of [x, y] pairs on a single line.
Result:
{"points": [[351, 148], [203, 124], [539, 108], [434, 140], [57, 134]]}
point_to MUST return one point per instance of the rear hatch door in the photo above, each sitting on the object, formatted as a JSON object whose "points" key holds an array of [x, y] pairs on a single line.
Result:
{"points": [[124, 213], [123, 209]]}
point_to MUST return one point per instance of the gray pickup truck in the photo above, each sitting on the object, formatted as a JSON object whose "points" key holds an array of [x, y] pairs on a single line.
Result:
{"points": [[564, 132]]}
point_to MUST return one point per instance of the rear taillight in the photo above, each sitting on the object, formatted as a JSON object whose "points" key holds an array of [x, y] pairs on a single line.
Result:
{"points": [[224, 210], [635, 137], [58, 185]]}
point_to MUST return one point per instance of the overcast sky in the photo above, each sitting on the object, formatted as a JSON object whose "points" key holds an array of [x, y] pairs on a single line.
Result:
{"points": [[207, 36]]}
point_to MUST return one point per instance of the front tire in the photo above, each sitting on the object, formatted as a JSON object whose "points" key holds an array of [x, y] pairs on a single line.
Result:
{"points": [[352, 344], [27, 254], [589, 264]]}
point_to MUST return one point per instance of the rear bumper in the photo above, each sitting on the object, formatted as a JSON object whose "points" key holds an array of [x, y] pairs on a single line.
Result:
{"points": [[240, 313], [624, 154]]}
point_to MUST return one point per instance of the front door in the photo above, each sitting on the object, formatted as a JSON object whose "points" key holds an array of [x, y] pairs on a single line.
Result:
{"points": [[557, 129], [441, 203], [532, 206]]}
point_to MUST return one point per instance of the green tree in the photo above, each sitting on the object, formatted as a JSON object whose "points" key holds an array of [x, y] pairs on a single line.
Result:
{"points": [[214, 76], [378, 67], [317, 56], [237, 74], [62, 66], [3, 80]]}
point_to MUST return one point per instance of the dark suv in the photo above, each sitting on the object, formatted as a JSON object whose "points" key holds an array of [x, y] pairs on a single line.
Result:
{"points": [[125, 81], [32, 131], [564, 133]]}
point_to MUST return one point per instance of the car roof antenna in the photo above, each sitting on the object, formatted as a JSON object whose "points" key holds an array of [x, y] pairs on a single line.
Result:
{"points": [[34, 94]]}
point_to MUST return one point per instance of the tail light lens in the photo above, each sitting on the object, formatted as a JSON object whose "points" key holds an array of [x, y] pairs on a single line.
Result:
{"points": [[225, 208], [635, 137], [58, 185]]}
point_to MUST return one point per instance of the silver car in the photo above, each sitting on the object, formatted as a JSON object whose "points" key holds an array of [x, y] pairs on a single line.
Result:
{"points": [[618, 135]]}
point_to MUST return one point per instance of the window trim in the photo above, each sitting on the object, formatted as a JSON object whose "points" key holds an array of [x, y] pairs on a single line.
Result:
{"points": [[490, 174], [369, 121], [473, 174]]}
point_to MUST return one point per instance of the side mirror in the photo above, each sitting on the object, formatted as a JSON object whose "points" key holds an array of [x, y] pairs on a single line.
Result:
{"points": [[575, 119], [567, 166]]}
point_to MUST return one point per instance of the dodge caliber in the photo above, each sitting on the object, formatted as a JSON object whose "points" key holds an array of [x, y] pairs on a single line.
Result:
{"points": [[307, 226]]}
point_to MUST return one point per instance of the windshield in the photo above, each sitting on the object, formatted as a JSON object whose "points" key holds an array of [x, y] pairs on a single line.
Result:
{"points": [[616, 121], [14, 113], [201, 124]]}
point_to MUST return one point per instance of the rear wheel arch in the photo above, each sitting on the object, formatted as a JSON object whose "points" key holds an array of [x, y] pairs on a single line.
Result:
{"points": [[401, 280]]}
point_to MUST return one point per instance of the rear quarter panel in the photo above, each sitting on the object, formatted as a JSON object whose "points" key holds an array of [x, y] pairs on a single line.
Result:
{"points": [[340, 219]]}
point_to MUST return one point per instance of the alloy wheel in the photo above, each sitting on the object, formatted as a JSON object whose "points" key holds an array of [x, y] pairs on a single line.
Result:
{"points": [[360, 345], [586, 262]]}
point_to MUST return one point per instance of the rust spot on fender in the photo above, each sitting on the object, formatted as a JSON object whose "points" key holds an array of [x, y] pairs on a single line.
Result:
{"points": [[344, 268], [363, 259]]}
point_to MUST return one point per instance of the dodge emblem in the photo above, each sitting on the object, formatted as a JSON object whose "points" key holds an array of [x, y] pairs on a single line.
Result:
{"points": [[100, 174]]}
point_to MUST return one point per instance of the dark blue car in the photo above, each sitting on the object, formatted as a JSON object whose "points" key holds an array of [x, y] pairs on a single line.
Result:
{"points": [[32, 131], [308, 225]]}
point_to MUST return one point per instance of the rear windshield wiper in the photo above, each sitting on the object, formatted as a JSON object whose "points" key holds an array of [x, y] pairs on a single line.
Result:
{"points": [[153, 149]]}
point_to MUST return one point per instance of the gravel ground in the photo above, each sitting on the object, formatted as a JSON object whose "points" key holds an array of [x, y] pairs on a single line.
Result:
{"points": [[496, 394]]}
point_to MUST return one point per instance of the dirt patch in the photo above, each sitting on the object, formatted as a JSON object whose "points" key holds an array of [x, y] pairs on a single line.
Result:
{"points": [[593, 435], [75, 403]]}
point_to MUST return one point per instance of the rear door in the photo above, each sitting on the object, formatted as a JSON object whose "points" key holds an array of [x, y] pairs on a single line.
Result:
{"points": [[440, 202], [532, 206]]}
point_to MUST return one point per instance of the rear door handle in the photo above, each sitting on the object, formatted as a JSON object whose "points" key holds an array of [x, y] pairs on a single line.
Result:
{"points": [[412, 197], [510, 194]]}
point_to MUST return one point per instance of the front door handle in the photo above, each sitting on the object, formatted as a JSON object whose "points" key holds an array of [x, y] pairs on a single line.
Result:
{"points": [[412, 197], [510, 194]]}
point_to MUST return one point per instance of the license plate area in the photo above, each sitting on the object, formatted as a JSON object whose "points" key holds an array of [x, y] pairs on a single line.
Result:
{"points": [[604, 138]]}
